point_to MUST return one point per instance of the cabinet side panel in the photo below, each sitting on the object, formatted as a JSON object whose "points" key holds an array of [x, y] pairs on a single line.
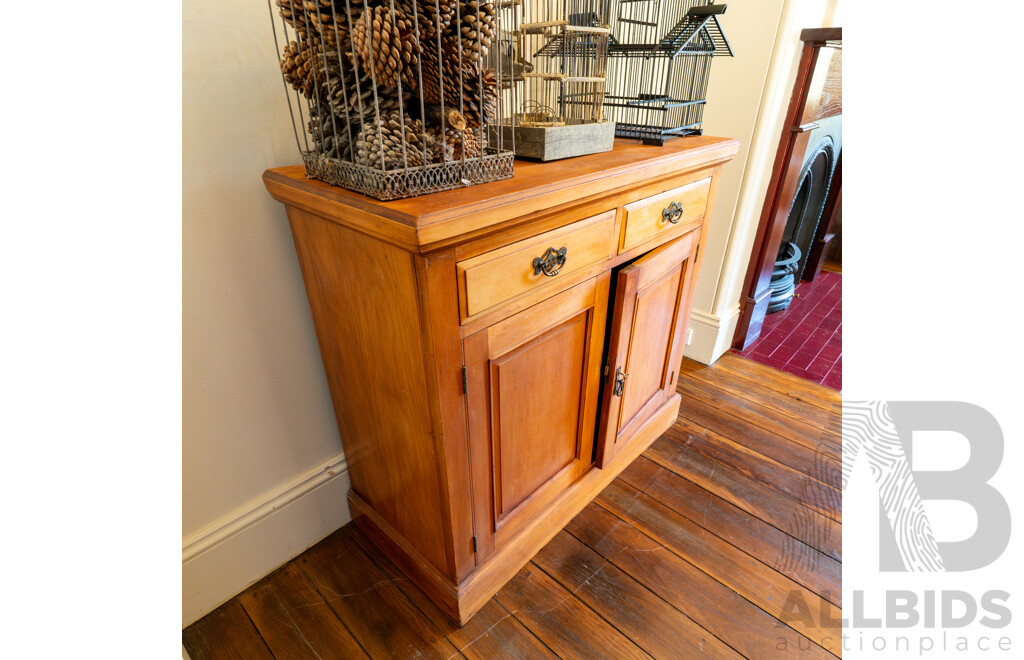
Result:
{"points": [[362, 294], [438, 297]]}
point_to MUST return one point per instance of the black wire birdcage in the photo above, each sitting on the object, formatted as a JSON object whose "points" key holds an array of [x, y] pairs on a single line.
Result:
{"points": [[393, 98], [659, 62]]}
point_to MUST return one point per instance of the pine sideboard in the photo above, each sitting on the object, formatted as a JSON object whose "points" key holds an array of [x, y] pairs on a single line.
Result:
{"points": [[497, 354]]}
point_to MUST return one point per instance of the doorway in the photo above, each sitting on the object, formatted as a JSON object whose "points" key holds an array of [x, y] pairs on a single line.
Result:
{"points": [[785, 288]]}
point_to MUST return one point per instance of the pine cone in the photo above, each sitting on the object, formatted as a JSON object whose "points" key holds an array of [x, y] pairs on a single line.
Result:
{"points": [[330, 133], [474, 93], [355, 102], [377, 39], [330, 81], [462, 143], [320, 75], [439, 13], [315, 22], [489, 103], [384, 145], [299, 12], [321, 9], [416, 13], [293, 12], [298, 68], [477, 27], [411, 37]]}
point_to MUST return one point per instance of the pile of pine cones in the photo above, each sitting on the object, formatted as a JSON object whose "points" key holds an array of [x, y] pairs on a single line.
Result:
{"points": [[360, 61]]}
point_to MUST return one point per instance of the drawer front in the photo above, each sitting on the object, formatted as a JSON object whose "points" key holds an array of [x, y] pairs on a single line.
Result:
{"points": [[673, 212], [494, 277]]}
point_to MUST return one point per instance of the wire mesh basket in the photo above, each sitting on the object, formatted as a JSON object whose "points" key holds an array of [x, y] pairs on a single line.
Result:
{"points": [[393, 98], [555, 86], [660, 57]]}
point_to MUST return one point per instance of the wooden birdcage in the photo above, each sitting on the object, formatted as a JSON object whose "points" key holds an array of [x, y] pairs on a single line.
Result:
{"points": [[393, 98], [660, 55], [554, 89]]}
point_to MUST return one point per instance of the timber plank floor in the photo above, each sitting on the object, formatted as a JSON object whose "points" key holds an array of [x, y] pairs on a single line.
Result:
{"points": [[723, 540]]}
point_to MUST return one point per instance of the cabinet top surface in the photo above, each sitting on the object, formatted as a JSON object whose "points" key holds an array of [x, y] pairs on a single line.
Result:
{"points": [[535, 185]]}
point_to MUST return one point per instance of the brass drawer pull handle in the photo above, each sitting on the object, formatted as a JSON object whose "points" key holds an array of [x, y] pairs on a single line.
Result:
{"points": [[620, 382], [672, 212], [551, 262]]}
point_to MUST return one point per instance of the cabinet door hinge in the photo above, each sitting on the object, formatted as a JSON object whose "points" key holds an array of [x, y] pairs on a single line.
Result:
{"points": [[465, 381], [474, 543], [696, 253]]}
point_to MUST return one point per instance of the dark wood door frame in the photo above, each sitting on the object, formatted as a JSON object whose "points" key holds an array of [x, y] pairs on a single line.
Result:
{"points": [[817, 95]]}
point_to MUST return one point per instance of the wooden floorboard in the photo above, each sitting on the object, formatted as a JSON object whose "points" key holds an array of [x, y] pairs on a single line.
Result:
{"points": [[562, 620], [492, 633], [718, 609], [791, 428], [295, 621], [735, 428], [699, 549], [651, 623], [787, 515], [803, 390], [810, 483], [384, 622], [775, 396], [225, 632], [765, 587], [797, 560]]}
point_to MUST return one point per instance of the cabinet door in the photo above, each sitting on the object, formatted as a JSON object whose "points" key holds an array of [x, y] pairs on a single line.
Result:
{"points": [[532, 391], [652, 307]]}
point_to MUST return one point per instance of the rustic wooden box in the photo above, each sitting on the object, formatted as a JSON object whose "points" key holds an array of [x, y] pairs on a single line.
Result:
{"points": [[555, 142]]}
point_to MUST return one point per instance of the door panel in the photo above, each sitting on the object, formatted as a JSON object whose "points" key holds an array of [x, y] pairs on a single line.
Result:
{"points": [[533, 385], [652, 322], [652, 306], [536, 429]]}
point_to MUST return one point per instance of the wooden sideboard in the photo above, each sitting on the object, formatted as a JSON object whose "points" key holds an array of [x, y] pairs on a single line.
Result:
{"points": [[497, 354]]}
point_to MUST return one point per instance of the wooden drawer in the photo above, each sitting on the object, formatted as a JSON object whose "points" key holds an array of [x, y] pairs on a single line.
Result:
{"points": [[500, 275], [653, 217]]}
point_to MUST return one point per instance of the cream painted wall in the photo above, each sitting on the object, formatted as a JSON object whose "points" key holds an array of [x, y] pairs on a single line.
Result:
{"points": [[263, 473], [747, 98], [734, 98], [257, 418]]}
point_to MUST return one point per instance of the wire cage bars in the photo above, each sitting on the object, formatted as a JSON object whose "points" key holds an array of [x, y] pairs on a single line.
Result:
{"points": [[554, 89], [660, 56], [392, 98]]}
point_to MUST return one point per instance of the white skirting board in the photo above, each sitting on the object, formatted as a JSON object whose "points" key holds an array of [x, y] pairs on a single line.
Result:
{"points": [[221, 560], [712, 335]]}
